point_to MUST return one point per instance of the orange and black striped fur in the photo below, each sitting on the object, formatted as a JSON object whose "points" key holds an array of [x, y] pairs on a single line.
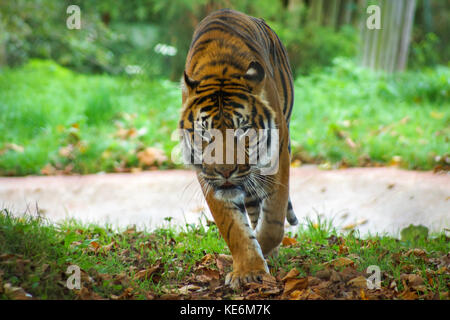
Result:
{"points": [[237, 75]]}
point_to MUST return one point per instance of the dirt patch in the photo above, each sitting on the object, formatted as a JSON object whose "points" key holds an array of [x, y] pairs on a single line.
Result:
{"points": [[375, 199]]}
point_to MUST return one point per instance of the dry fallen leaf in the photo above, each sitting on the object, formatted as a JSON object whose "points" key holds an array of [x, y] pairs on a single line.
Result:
{"points": [[288, 241], [359, 282], [291, 274], [207, 275], [352, 226], [295, 284], [414, 281], [48, 170], [66, 151], [223, 261], [94, 245], [11, 146], [85, 294], [151, 156], [416, 252], [408, 295], [185, 289], [207, 259], [363, 294], [123, 133], [296, 294], [340, 262], [15, 293], [145, 273]]}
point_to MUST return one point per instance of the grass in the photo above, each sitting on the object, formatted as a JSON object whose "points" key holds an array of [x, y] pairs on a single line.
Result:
{"points": [[134, 264], [66, 122]]}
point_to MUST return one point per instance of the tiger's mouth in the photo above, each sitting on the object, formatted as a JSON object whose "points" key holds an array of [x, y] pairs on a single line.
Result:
{"points": [[227, 185], [226, 190], [229, 192]]}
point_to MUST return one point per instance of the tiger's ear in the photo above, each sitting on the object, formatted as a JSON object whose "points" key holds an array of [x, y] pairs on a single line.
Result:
{"points": [[255, 72], [190, 83]]}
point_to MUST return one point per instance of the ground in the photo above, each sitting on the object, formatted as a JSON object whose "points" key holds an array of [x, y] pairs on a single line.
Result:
{"points": [[374, 200], [174, 250]]}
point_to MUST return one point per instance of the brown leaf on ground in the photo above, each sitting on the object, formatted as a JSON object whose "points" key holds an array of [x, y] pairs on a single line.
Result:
{"points": [[295, 284], [94, 245], [269, 280], [207, 275], [313, 281], [207, 260], [223, 261], [151, 156], [416, 252], [352, 226], [123, 133], [170, 296], [186, 289], [15, 293], [358, 282], [362, 294], [126, 294], [323, 274], [67, 151], [291, 274], [408, 295], [340, 262], [335, 276], [49, 170], [86, 294], [13, 147], [306, 294], [146, 273], [107, 248], [288, 241], [296, 294], [412, 279]]}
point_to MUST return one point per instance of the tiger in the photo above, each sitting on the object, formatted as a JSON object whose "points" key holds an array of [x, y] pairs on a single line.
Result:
{"points": [[237, 76]]}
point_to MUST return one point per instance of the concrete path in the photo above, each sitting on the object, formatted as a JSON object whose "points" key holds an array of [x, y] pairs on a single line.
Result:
{"points": [[375, 200]]}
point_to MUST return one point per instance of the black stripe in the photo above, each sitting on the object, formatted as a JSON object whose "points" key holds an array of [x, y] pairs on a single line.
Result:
{"points": [[229, 229], [235, 105], [226, 28], [240, 206], [253, 203], [273, 221], [207, 108]]}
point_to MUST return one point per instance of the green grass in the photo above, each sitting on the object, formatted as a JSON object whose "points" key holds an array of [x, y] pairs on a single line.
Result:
{"points": [[35, 254], [344, 116]]}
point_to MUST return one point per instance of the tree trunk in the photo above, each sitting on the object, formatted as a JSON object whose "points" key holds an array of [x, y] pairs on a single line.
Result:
{"points": [[315, 13], [406, 34], [387, 48], [295, 8], [332, 13]]}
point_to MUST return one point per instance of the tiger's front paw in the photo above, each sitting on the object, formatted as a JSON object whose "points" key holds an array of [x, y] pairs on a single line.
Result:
{"points": [[236, 279]]}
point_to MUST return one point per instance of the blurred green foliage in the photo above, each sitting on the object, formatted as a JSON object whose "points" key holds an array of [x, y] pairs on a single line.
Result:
{"points": [[119, 37], [343, 115]]}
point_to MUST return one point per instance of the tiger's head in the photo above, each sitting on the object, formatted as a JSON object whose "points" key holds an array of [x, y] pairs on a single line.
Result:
{"points": [[229, 131]]}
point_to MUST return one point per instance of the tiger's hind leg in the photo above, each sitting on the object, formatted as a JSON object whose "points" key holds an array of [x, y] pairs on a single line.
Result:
{"points": [[290, 215], [270, 229]]}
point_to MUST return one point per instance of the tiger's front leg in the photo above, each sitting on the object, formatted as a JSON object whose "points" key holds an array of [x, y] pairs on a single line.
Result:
{"points": [[248, 261]]}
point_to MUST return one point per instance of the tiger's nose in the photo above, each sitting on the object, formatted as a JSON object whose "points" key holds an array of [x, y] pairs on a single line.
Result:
{"points": [[225, 170]]}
